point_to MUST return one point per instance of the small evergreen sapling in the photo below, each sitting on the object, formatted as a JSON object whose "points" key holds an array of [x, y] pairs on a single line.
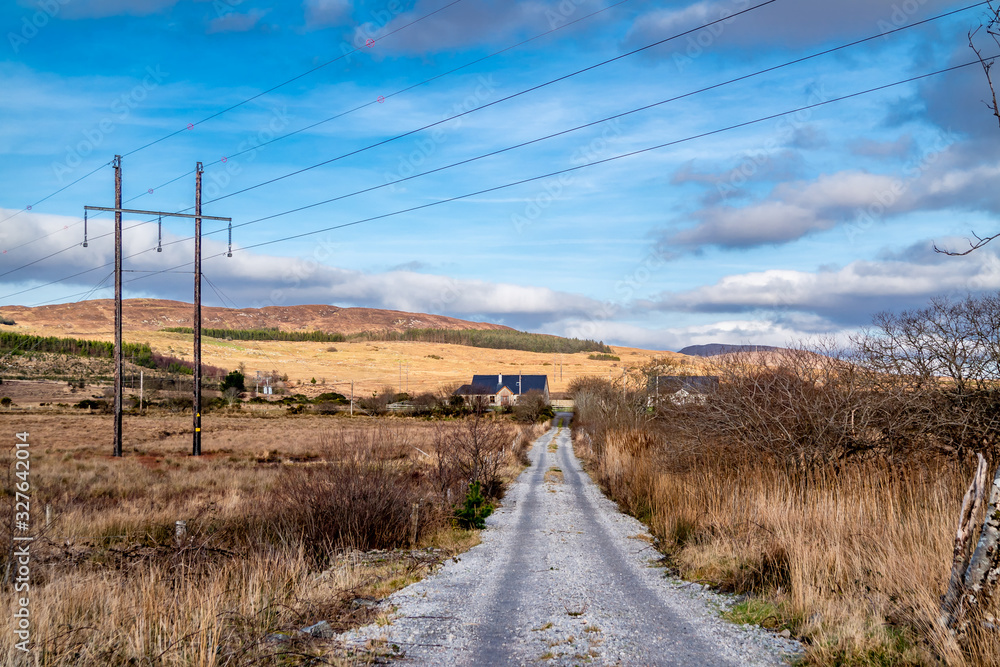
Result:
{"points": [[473, 513]]}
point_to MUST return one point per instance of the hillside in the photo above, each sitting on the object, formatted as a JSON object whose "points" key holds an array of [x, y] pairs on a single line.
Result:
{"points": [[98, 316], [715, 349], [417, 366]]}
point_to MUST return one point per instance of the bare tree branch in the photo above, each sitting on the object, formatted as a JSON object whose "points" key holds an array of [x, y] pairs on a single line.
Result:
{"points": [[992, 27]]}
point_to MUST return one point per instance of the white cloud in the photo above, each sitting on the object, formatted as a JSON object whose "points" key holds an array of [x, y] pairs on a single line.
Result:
{"points": [[325, 13], [253, 280], [848, 294], [938, 180]]}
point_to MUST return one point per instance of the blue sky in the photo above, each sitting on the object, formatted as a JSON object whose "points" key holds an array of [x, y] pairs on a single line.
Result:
{"points": [[799, 226]]}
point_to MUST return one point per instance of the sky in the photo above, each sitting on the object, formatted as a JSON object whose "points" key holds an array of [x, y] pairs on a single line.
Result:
{"points": [[652, 174]]}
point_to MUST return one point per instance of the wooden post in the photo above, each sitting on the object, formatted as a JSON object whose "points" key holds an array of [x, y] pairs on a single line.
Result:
{"points": [[118, 308], [180, 532], [196, 435], [414, 523]]}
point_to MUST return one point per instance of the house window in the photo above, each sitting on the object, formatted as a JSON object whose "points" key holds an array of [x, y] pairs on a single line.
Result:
{"points": [[493, 399]]}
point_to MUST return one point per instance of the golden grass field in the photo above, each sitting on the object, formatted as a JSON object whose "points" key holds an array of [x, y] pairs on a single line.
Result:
{"points": [[853, 562], [111, 586], [426, 367]]}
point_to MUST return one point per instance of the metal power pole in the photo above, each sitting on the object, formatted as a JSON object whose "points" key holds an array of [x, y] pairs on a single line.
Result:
{"points": [[196, 448], [118, 307]]}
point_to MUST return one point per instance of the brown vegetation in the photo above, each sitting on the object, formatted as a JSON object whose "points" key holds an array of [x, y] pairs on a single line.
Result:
{"points": [[825, 487], [97, 316], [281, 517]]}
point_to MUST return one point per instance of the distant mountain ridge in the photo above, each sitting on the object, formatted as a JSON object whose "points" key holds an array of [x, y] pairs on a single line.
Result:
{"points": [[715, 349], [97, 316]]}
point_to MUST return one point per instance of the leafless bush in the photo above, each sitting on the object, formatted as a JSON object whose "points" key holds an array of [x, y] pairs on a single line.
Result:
{"points": [[945, 360], [531, 407], [474, 452], [379, 401], [361, 496], [602, 406]]}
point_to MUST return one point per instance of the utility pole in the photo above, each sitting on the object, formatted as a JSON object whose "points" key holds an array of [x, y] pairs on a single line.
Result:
{"points": [[118, 306], [352, 398], [198, 217], [196, 435]]}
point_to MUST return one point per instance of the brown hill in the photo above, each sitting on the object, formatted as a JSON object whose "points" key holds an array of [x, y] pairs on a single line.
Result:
{"points": [[98, 316]]}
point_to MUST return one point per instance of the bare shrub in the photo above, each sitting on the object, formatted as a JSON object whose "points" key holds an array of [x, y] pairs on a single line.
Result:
{"points": [[361, 496], [532, 406], [476, 451], [378, 402]]}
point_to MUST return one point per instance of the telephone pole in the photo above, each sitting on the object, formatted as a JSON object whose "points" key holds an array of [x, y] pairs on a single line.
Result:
{"points": [[196, 434], [198, 217], [118, 306]]}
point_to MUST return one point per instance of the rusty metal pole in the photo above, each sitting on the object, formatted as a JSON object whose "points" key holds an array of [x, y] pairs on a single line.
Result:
{"points": [[118, 307], [196, 435]]}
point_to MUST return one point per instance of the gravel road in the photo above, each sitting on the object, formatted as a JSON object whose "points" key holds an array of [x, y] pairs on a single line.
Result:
{"points": [[563, 578]]}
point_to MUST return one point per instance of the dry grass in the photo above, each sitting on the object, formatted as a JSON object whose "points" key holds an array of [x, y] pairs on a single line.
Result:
{"points": [[111, 586], [852, 560], [372, 365]]}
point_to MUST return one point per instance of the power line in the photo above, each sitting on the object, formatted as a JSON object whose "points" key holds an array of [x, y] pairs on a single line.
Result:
{"points": [[567, 170], [495, 102], [515, 183], [394, 94], [31, 206], [589, 164], [294, 78], [339, 115], [191, 126], [616, 116]]}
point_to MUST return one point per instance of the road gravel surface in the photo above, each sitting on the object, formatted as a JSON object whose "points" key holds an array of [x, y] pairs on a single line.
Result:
{"points": [[562, 577]]}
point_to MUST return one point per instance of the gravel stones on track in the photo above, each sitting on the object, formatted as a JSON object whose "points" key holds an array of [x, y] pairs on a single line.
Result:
{"points": [[562, 577]]}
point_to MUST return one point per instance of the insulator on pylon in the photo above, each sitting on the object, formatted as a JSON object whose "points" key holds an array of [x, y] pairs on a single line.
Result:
{"points": [[229, 253], [159, 234], [84, 229]]}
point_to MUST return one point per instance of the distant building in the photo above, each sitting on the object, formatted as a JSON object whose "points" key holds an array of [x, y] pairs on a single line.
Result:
{"points": [[503, 390], [682, 388]]}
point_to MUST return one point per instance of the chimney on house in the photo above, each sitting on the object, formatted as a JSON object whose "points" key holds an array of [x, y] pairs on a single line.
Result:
{"points": [[500, 378]]}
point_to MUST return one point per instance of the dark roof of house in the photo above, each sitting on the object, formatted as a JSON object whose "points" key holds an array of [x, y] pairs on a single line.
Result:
{"points": [[701, 384], [472, 390], [519, 384]]}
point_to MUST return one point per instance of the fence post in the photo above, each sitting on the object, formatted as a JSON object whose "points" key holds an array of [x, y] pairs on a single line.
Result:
{"points": [[180, 532], [414, 523]]}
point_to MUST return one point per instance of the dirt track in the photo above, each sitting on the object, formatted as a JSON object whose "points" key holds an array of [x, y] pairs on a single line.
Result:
{"points": [[563, 578]]}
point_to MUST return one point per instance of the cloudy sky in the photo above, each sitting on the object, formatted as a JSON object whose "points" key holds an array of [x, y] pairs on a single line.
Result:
{"points": [[647, 173]]}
